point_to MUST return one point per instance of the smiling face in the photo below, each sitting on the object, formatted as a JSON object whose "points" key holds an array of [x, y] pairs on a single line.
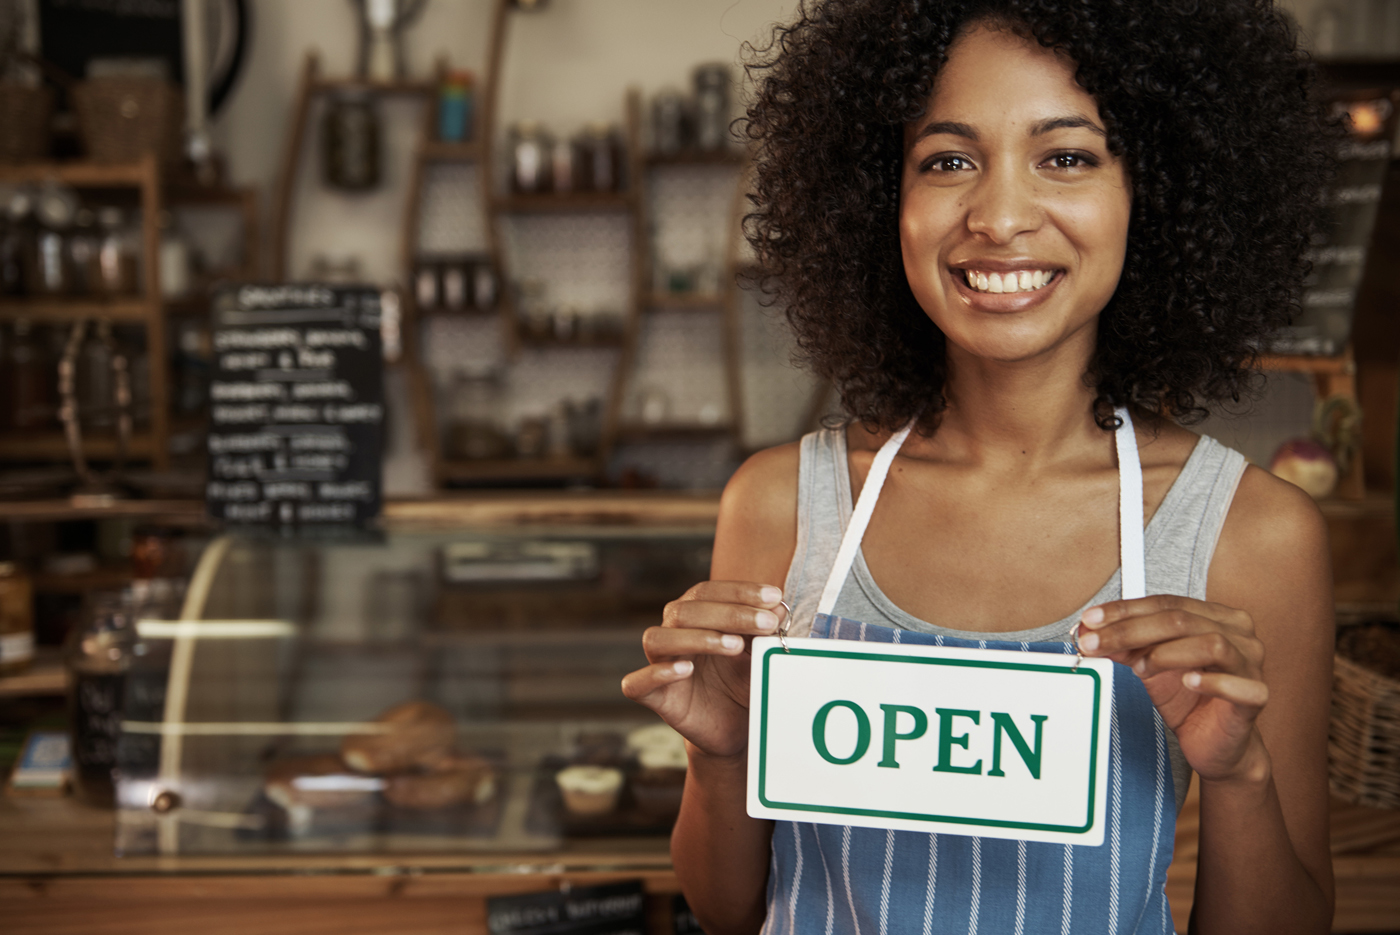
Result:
{"points": [[1014, 214]]}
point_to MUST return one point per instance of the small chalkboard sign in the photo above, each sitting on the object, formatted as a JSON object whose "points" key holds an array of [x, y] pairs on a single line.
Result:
{"points": [[296, 428], [613, 909]]}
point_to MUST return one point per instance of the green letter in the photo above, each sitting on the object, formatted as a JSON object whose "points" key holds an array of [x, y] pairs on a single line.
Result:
{"points": [[946, 741], [862, 732], [1003, 722], [891, 734]]}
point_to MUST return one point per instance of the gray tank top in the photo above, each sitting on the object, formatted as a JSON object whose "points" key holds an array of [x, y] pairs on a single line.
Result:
{"points": [[1179, 542]]}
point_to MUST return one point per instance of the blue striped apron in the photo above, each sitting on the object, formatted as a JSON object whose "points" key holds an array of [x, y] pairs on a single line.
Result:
{"points": [[832, 879]]}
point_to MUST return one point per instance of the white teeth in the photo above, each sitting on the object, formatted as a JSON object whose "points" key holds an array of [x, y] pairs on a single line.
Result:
{"points": [[1018, 281]]}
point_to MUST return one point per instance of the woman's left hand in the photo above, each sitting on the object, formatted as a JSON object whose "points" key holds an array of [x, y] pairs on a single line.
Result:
{"points": [[1203, 667]]}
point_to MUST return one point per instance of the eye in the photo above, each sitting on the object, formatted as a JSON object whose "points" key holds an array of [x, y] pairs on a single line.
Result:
{"points": [[947, 162], [1071, 161]]}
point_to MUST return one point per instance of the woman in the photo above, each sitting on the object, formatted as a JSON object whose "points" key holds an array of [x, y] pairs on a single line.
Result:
{"points": [[1018, 228]]}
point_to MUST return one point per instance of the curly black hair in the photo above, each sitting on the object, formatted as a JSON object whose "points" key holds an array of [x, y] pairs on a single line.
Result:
{"points": [[1211, 106]]}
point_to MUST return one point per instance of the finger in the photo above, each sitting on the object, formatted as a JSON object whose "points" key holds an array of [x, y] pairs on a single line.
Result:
{"points": [[1132, 633], [751, 593], [641, 684], [1247, 693], [1104, 614], [661, 643], [725, 617], [1214, 652]]}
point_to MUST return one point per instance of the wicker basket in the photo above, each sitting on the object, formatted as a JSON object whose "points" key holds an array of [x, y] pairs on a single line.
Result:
{"points": [[1364, 738], [123, 119], [24, 113]]}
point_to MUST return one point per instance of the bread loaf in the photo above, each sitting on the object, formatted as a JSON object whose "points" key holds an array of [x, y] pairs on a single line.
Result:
{"points": [[417, 733]]}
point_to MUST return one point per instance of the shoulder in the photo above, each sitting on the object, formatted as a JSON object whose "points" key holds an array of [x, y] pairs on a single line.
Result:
{"points": [[757, 527], [1272, 556]]}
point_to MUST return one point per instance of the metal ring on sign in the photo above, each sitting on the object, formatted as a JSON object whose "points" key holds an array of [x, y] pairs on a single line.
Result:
{"points": [[786, 624], [1074, 641]]}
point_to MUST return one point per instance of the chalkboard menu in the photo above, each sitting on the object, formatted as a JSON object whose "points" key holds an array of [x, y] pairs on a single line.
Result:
{"points": [[613, 909], [1339, 255], [296, 429]]}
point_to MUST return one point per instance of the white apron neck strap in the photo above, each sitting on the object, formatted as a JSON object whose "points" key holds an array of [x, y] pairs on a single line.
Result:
{"points": [[860, 518], [1132, 554], [1130, 540]]}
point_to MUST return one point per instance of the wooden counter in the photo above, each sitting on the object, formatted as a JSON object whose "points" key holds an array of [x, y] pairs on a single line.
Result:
{"points": [[58, 876]]}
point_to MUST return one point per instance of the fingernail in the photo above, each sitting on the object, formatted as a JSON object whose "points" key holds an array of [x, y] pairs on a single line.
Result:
{"points": [[683, 668], [730, 641], [1140, 666], [1092, 617], [1191, 680], [1089, 641], [769, 594], [765, 620]]}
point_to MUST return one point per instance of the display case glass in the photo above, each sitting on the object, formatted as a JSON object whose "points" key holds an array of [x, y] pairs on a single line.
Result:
{"points": [[428, 692]]}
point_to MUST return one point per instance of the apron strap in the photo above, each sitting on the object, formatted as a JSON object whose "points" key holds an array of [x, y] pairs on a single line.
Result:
{"points": [[1132, 555], [1131, 551], [855, 530]]}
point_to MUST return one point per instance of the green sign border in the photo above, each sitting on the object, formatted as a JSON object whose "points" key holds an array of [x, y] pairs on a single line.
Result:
{"points": [[916, 816]]}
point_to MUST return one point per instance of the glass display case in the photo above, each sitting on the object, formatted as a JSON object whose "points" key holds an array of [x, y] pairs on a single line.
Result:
{"points": [[451, 691]]}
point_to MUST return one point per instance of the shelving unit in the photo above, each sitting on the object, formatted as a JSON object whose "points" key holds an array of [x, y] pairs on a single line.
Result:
{"points": [[1331, 376], [146, 310]]}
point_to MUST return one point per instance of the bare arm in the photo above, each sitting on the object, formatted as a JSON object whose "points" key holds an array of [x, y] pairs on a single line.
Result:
{"points": [[1244, 681], [698, 682], [1265, 862]]}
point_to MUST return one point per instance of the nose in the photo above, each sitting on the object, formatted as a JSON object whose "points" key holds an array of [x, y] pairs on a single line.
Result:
{"points": [[1003, 205]]}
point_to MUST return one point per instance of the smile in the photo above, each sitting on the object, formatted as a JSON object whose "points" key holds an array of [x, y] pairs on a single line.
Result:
{"points": [[1023, 280]]}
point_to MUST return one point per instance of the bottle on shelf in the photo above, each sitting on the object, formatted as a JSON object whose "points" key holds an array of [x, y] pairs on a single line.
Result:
{"points": [[530, 150], [16, 619], [56, 208], [98, 655], [17, 244], [96, 385], [28, 381], [83, 246], [118, 253]]}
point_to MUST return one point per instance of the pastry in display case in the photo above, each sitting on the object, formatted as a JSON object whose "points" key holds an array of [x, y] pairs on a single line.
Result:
{"points": [[432, 692]]}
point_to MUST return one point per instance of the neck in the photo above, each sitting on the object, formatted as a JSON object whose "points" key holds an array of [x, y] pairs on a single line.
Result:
{"points": [[1026, 412]]}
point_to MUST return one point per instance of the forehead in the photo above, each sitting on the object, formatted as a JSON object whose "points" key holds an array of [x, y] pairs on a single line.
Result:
{"points": [[995, 76]]}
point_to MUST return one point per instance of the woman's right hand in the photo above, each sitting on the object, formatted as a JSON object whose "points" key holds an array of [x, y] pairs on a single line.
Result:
{"points": [[698, 677]]}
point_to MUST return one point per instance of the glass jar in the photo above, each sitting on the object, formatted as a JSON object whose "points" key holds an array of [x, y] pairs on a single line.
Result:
{"points": [[83, 245], [16, 619], [176, 268], [711, 106], [118, 253], [474, 430], [670, 130], [600, 158], [98, 655], [350, 141], [17, 244], [530, 158], [56, 207]]}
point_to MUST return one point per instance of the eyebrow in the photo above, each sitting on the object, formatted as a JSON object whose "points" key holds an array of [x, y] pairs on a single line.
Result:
{"points": [[953, 128]]}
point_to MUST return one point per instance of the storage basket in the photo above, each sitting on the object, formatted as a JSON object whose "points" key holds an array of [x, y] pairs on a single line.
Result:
{"points": [[24, 114], [123, 119], [1363, 743]]}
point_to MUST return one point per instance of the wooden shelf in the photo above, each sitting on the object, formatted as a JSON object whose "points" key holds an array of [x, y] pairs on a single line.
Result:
{"points": [[440, 151], [45, 677], [611, 340], [518, 469], [564, 201], [52, 446], [689, 300], [166, 512], [48, 310], [81, 174], [1302, 363], [722, 157], [638, 431], [98, 579]]}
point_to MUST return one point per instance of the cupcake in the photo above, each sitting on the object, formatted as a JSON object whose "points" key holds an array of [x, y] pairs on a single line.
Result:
{"points": [[589, 790], [658, 784]]}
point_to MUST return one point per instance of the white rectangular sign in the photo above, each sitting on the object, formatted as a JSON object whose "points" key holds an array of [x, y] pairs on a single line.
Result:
{"points": [[983, 742]]}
